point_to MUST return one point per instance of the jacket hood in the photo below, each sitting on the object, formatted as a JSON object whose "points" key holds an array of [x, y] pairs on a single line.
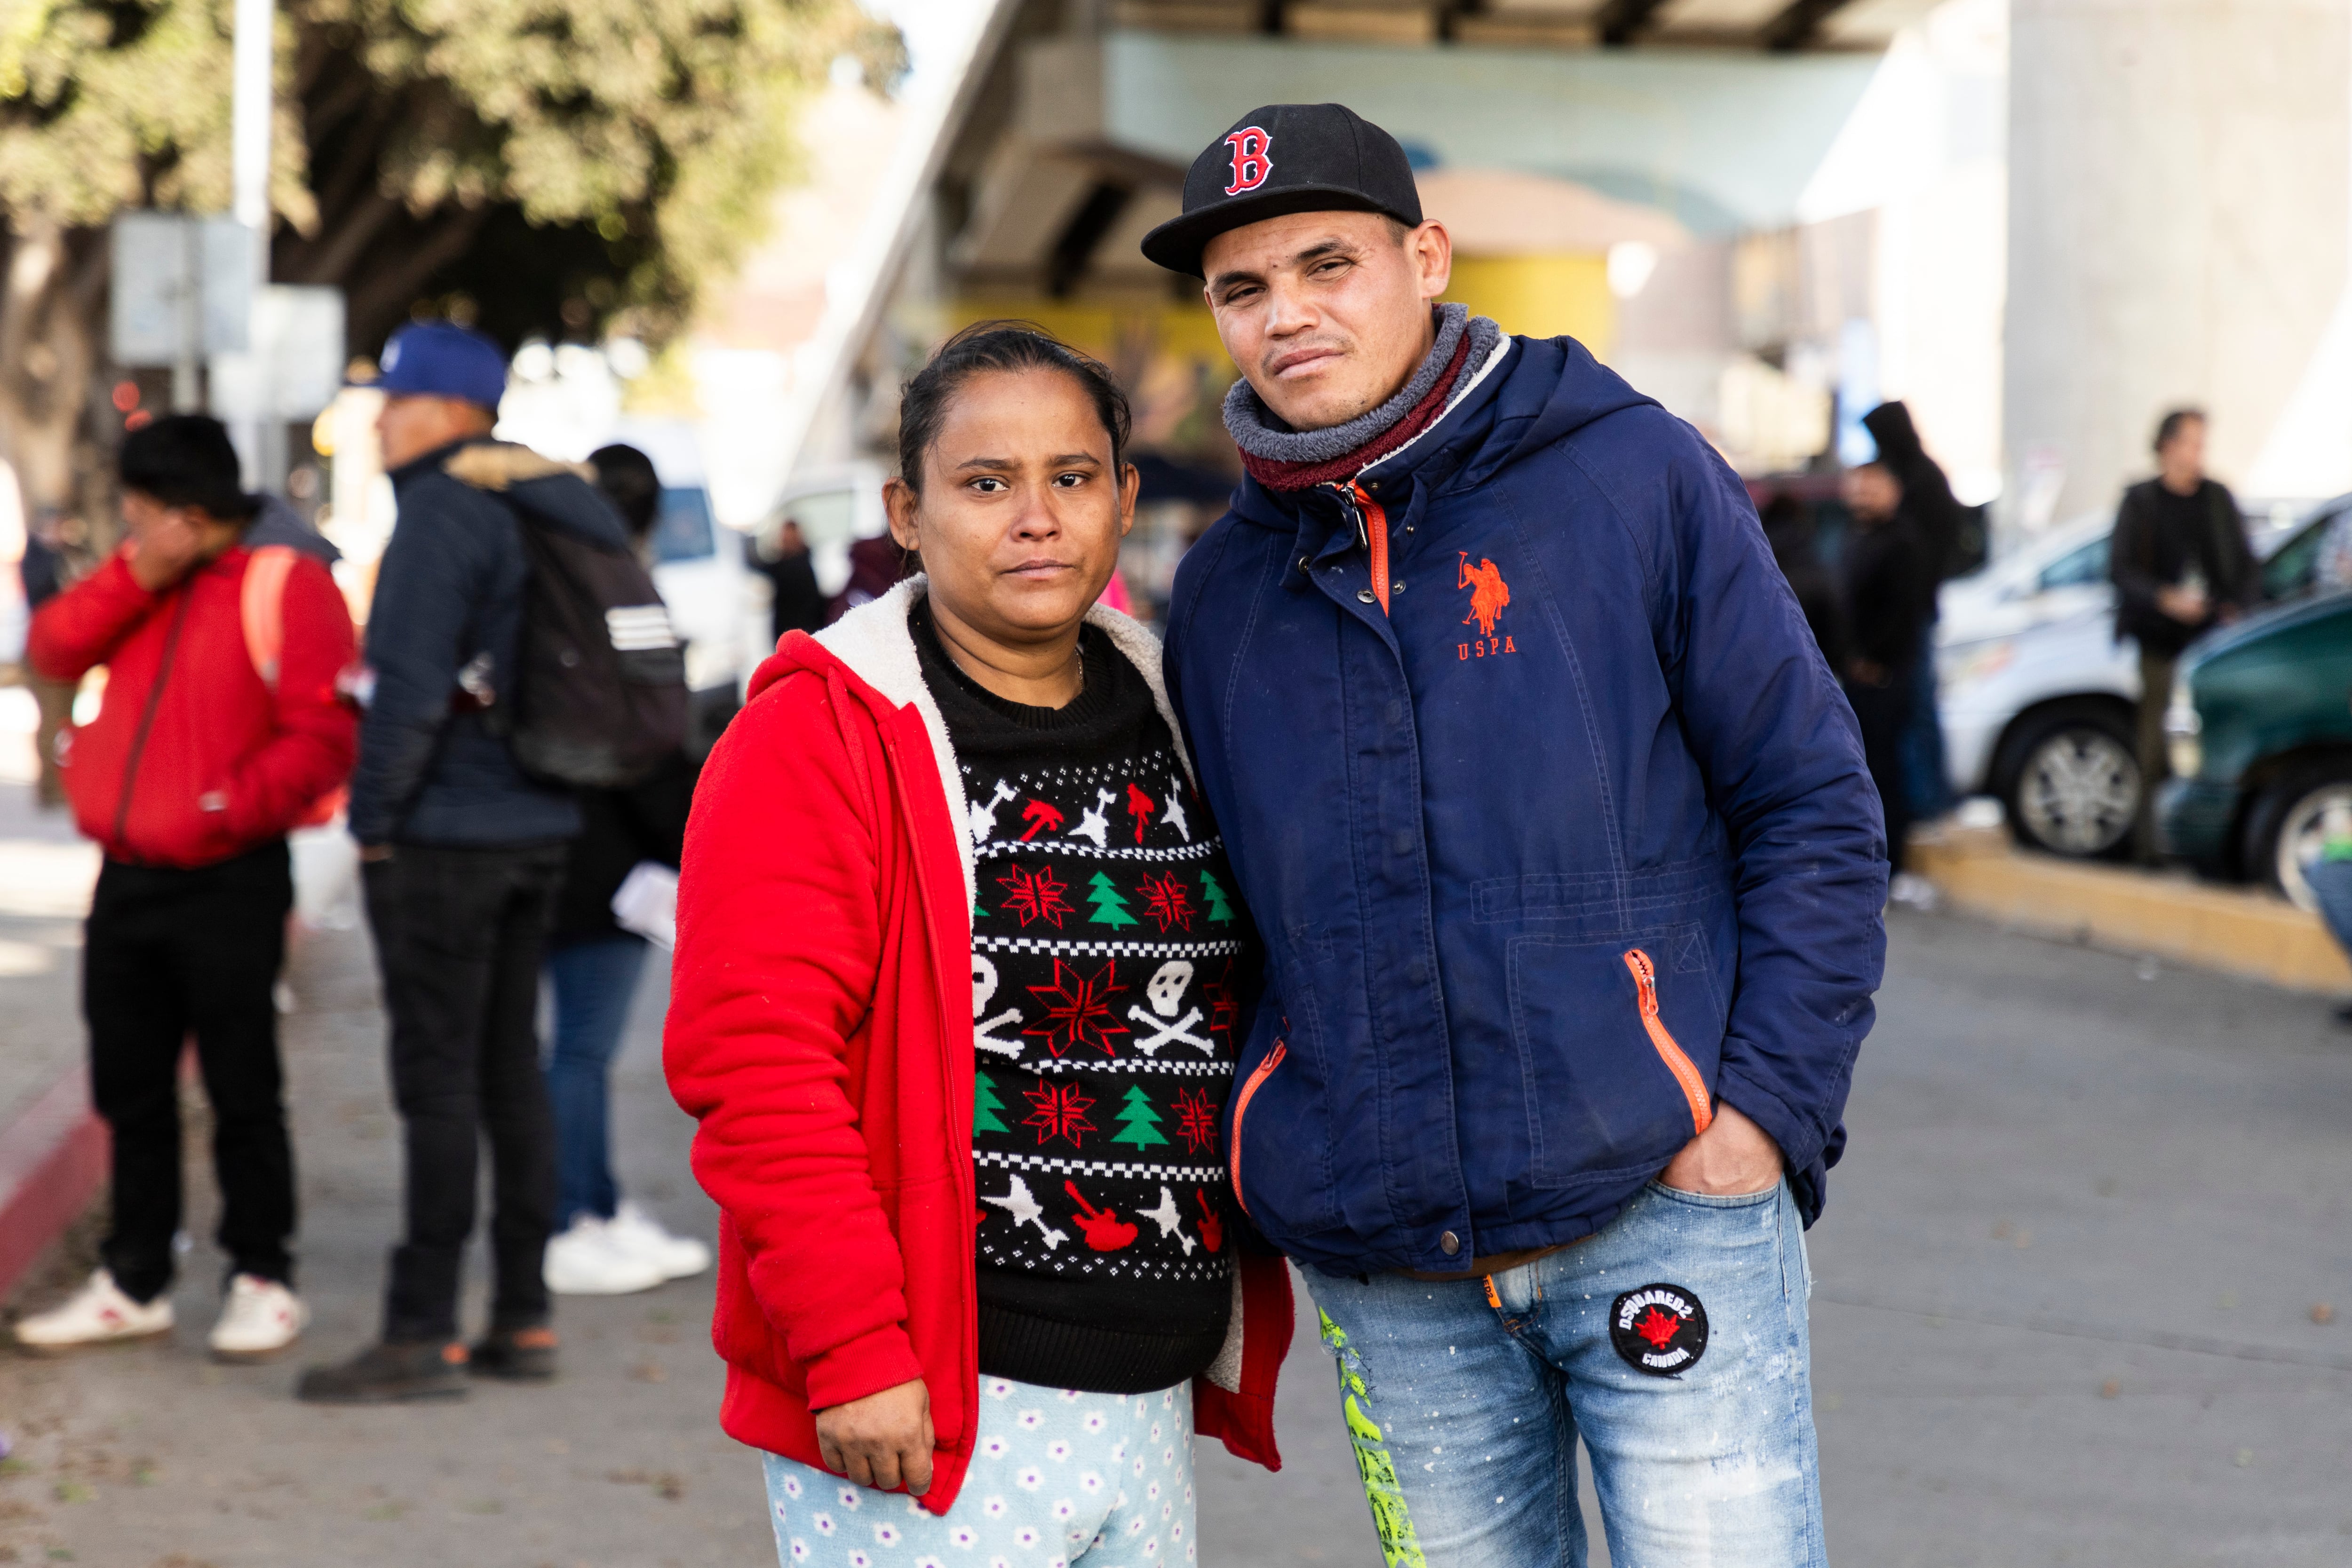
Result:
{"points": [[562, 495], [1533, 391], [871, 652], [280, 524], [1898, 439]]}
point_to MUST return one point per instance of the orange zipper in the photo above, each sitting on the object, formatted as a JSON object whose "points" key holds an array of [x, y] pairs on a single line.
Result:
{"points": [[1645, 977], [1241, 1108], [1376, 539]]}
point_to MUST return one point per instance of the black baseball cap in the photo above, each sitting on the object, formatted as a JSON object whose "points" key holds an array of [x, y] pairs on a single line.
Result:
{"points": [[1281, 159]]}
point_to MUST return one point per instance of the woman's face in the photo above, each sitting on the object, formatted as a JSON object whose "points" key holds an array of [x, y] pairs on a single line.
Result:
{"points": [[1021, 511]]}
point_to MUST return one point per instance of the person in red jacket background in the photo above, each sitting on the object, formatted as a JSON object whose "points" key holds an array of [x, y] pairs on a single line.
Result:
{"points": [[222, 727], [958, 976]]}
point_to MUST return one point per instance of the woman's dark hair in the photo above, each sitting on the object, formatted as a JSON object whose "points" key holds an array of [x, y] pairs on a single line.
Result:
{"points": [[185, 460], [627, 478], [2169, 425], [986, 346]]}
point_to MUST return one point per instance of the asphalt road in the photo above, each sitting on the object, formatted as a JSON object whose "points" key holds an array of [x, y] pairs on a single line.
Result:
{"points": [[2063, 1314]]}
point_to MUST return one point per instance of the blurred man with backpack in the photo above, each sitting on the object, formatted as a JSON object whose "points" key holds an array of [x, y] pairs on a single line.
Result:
{"points": [[462, 850], [223, 726]]}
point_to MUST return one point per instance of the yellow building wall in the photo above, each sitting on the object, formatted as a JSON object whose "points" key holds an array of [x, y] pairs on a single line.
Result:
{"points": [[1176, 368], [1541, 295]]}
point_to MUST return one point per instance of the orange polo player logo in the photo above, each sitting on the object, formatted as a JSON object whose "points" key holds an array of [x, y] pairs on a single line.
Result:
{"points": [[1489, 594], [1489, 597]]}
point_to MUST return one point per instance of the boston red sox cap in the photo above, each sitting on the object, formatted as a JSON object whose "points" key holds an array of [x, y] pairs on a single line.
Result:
{"points": [[1285, 158]]}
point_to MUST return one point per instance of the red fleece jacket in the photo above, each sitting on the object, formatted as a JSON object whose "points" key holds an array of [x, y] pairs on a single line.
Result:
{"points": [[191, 758], [820, 1031]]}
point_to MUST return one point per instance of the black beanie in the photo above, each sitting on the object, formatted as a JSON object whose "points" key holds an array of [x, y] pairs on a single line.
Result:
{"points": [[185, 460]]}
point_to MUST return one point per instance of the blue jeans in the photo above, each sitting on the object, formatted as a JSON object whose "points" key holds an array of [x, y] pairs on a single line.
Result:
{"points": [[2331, 885], [1674, 1343], [1927, 775], [593, 982]]}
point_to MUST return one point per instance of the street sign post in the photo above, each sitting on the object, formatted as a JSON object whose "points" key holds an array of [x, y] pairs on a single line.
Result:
{"points": [[182, 293]]}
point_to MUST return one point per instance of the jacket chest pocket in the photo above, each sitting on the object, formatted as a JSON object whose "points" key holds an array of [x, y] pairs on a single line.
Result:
{"points": [[1618, 1043]]}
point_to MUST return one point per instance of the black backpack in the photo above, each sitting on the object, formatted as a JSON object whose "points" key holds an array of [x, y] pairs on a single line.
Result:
{"points": [[598, 697]]}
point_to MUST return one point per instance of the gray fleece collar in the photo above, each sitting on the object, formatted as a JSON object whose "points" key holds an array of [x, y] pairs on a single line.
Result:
{"points": [[1260, 432]]}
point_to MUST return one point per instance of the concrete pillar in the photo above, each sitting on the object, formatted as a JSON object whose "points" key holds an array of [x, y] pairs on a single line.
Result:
{"points": [[2180, 184]]}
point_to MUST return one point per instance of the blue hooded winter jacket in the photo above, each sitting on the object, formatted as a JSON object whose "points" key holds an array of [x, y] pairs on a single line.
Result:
{"points": [[1573, 840], [450, 592]]}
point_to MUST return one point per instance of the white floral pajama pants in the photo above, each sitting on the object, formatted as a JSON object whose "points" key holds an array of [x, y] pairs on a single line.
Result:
{"points": [[1060, 1480]]}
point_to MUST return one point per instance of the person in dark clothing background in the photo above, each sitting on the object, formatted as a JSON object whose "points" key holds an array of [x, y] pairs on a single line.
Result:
{"points": [[1949, 538], [1790, 529], [796, 603], [1935, 515], [461, 853], [2181, 564], [875, 566], [1889, 597], [44, 574], [604, 1246]]}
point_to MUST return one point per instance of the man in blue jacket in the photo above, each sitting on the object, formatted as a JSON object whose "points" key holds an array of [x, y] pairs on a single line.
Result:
{"points": [[1571, 875], [462, 855]]}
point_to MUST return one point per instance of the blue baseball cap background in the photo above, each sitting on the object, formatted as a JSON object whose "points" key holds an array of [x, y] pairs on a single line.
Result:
{"points": [[440, 359]]}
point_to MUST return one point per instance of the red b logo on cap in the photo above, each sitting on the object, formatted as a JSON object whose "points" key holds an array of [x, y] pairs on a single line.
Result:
{"points": [[1251, 165]]}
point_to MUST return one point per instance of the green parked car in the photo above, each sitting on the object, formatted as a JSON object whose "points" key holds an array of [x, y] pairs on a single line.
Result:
{"points": [[2260, 729]]}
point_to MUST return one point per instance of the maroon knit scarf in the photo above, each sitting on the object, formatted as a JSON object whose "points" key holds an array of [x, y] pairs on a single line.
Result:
{"points": [[1278, 476]]}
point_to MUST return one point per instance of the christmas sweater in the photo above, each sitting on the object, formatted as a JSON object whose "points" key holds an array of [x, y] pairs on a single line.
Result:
{"points": [[1108, 957]]}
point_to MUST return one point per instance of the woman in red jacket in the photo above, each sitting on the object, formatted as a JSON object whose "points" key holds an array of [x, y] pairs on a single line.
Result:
{"points": [[983, 1257]]}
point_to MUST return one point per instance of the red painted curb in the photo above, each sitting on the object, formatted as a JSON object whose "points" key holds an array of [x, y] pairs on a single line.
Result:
{"points": [[53, 1160]]}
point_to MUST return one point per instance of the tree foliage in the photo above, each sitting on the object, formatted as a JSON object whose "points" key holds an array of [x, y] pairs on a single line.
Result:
{"points": [[555, 166]]}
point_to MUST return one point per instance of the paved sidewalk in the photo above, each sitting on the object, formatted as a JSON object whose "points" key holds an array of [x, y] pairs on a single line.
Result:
{"points": [[152, 1455], [2064, 1315]]}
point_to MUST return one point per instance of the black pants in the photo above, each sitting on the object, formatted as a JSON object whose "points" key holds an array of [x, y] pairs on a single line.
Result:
{"points": [[167, 953], [460, 932], [1883, 713]]}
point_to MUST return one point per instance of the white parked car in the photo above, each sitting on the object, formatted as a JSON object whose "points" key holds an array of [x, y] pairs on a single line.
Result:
{"points": [[2038, 700]]}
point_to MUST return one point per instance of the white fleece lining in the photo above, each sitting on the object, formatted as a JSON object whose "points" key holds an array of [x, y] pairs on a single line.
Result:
{"points": [[875, 641]]}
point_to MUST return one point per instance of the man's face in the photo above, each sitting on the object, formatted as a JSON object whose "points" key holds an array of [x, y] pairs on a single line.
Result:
{"points": [[414, 424], [2182, 458], [1871, 493], [177, 531], [1326, 313]]}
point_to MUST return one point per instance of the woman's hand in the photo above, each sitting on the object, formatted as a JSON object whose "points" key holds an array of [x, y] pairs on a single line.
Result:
{"points": [[881, 1441]]}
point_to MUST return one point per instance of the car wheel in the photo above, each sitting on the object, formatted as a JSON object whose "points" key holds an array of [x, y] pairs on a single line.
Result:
{"points": [[2073, 787], [2283, 829]]}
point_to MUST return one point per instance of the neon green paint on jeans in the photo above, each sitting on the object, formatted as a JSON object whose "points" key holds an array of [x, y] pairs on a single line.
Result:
{"points": [[1399, 1543]]}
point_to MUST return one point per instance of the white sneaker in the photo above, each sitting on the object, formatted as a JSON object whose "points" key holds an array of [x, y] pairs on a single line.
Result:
{"points": [[259, 1319], [1912, 892], [99, 1313], [588, 1259], [677, 1257]]}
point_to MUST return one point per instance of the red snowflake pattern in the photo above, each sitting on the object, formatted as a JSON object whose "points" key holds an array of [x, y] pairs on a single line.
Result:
{"points": [[1036, 895], [1077, 1008], [1196, 1119], [1223, 1009], [1172, 902], [1061, 1113]]}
